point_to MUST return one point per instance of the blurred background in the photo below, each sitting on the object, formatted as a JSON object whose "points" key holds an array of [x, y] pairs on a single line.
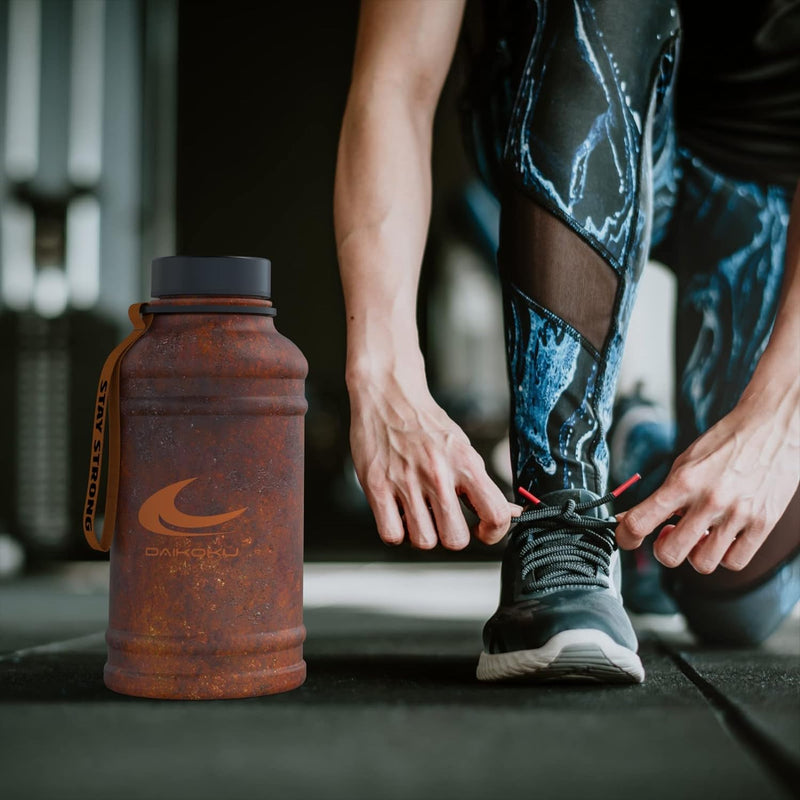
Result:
{"points": [[131, 129]]}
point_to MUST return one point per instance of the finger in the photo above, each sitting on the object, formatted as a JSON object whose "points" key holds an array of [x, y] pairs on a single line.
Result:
{"points": [[641, 520], [672, 549], [387, 516], [665, 531], [450, 523], [744, 548], [513, 509], [492, 508], [709, 551], [662, 527], [421, 531], [660, 534], [625, 539]]}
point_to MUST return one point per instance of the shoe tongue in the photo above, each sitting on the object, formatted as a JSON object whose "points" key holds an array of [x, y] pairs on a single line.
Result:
{"points": [[560, 496]]}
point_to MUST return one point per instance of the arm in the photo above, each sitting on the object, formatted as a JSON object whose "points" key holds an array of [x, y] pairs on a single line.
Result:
{"points": [[738, 477], [408, 454]]}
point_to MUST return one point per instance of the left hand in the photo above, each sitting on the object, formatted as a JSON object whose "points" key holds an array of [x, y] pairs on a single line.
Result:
{"points": [[730, 488]]}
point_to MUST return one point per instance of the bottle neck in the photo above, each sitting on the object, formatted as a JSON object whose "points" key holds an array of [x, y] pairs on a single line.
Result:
{"points": [[205, 304]]}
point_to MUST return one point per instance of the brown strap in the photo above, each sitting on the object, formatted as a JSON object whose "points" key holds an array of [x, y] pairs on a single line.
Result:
{"points": [[107, 410]]}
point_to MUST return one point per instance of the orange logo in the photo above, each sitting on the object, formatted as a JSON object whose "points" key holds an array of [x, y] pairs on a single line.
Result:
{"points": [[160, 508]]}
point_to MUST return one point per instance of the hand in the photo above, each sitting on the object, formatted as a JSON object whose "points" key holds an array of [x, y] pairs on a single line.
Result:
{"points": [[730, 488], [411, 458]]}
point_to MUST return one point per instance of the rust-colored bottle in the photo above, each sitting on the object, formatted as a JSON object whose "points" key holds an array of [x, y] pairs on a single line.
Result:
{"points": [[206, 558]]}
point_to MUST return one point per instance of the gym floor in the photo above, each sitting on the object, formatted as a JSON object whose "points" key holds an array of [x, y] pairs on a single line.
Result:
{"points": [[390, 709]]}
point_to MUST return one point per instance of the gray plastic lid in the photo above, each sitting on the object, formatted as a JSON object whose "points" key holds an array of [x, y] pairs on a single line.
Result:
{"points": [[235, 276]]}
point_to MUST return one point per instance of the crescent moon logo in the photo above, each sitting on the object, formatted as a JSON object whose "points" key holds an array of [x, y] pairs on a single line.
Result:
{"points": [[160, 508]]}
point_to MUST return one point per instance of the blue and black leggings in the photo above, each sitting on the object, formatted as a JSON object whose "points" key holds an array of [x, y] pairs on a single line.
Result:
{"points": [[595, 182]]}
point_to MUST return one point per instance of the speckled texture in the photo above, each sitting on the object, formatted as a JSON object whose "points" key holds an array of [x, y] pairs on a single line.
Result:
{"points": [[209, 611]]}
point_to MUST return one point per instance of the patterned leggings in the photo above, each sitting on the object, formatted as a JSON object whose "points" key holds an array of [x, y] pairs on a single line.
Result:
{"points": [[592, 140], [594, 182]]}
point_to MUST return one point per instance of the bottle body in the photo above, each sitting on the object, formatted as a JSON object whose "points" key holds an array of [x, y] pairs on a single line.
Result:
{"points": [[206, 563]]}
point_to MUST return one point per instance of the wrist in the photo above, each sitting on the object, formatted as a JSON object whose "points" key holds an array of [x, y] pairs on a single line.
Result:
{"points": [[382, 350], [773, 396], [385, 371], [775, 384]]}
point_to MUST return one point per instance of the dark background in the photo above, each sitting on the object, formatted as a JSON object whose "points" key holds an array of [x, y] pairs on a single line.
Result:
{"points": [[261, 92]]}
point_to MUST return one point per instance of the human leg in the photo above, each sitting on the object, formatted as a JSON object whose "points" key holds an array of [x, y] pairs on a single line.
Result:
{"points": [[726, 244], [576, 226], [642, 440], [575, 231]]}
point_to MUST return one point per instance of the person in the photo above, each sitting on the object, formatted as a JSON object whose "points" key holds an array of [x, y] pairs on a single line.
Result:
{"points": [[611, 131]]}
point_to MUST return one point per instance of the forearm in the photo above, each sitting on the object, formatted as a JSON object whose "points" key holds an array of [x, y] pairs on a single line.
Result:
{"points": [[382, 210], [383, 179], [410, 457]]}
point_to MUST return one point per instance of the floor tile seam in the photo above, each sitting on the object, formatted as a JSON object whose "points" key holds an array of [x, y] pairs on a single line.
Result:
{"points": [[58, 646], [781, 765]]}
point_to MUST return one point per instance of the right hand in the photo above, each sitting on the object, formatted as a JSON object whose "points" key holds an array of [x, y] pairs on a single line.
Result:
{"points": [[414, 463]]}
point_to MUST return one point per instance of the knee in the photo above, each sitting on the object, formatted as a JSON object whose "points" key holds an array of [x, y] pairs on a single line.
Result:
{"points": [[720, 627], [744, 618], [580, 115], [584, 56]]}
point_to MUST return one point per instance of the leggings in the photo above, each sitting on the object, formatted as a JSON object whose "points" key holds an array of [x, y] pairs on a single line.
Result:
{"points": [[594, 182]]}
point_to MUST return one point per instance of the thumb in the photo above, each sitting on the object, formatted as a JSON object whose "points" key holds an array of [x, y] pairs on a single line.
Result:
{"points": [[626, 538]]}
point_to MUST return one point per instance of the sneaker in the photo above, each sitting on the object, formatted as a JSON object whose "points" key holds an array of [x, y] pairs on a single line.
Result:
{"points": [[561, 615], [649, 605], [642, 439]]}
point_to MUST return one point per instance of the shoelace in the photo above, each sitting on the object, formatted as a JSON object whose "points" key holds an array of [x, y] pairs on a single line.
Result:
{"points": [[567, 548]]}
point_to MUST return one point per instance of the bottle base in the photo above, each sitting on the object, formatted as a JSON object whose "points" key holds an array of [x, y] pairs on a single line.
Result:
{"points": [[204, 687]]}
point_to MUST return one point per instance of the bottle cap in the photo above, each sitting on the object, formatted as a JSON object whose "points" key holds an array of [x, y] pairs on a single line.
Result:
{"points": [[219, 276]]}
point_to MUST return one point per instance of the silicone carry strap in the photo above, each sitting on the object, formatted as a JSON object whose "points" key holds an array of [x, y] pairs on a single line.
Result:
{"points": [[107, 411]]}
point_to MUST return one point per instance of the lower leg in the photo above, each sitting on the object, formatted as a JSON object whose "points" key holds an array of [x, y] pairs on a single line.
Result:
{"points": [[729, 246], [573, 241], [560, 307]]}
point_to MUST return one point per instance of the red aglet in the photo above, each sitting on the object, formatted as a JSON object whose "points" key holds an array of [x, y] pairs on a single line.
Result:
{"points": [[623, 486], [528, 496]]}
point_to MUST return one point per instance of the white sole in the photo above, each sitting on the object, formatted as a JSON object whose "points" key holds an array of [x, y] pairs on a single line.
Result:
{"points": [[578, 655]]}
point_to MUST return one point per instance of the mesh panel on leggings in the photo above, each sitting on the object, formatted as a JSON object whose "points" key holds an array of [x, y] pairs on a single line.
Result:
{"points": [[552, 265]]}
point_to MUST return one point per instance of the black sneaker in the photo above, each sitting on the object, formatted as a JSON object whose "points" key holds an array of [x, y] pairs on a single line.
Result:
{"points": [[561, 615], [642, 439]]}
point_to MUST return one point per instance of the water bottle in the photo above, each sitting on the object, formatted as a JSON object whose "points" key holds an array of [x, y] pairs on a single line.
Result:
{"points": [[204, 405]]}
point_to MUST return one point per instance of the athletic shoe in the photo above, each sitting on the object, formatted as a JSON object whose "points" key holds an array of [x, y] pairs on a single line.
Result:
{"points": [[647, 600], [561, 615], [641, 439]]}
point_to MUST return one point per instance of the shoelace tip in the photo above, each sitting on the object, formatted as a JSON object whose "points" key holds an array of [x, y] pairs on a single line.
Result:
{"points": [[528, 496]]}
